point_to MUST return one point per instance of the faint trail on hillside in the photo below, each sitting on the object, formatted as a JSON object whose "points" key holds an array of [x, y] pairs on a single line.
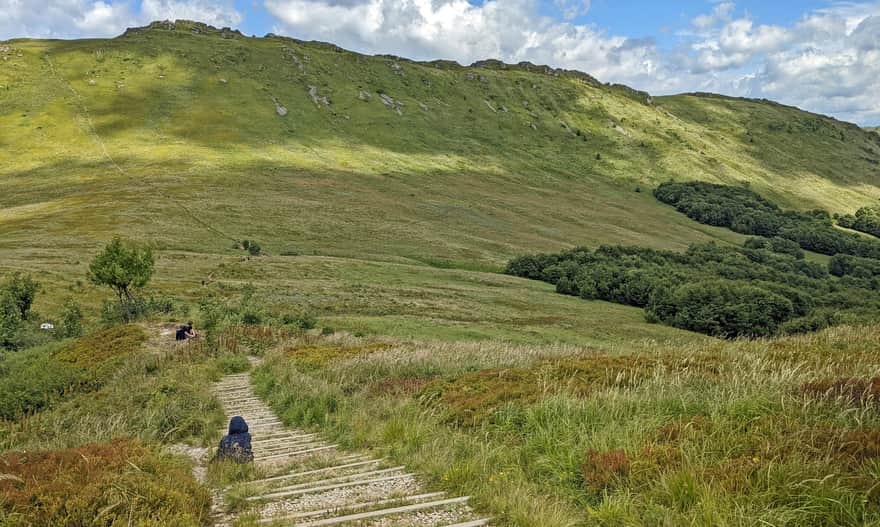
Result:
{"points": [[93, 133]]}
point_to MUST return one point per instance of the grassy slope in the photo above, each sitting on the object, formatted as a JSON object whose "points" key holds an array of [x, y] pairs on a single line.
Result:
{"points": [[396, 218], [733, 433], [173, 137]]}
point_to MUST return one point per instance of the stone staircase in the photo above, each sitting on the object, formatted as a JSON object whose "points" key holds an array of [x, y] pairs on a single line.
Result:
{"points": [[312, 483]]}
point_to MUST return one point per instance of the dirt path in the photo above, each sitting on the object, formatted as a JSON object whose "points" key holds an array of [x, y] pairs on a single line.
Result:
{"points": [[307, 481]]}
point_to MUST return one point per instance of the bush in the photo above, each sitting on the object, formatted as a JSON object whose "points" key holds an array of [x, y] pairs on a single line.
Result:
{"points": [[11, 324], [232, 363], [31, 380], [722, 309], [300, 320], [71, 320], [866, 219], [251, 317], [22, 289], [16, 298], [123, 482]]}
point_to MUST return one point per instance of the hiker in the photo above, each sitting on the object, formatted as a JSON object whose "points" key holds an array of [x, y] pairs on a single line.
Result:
{"points": [[186, 332], [236, 445]]}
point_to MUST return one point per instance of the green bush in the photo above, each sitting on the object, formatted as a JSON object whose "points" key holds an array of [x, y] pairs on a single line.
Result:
{"points": [[300, 320], [32, 379], [231, 363], [71, 320], [22, 289], [721, 309], [866, 219]]}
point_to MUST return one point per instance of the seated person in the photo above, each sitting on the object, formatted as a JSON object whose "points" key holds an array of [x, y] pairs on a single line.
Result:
{"points": [[236, 445], [186, 332]]}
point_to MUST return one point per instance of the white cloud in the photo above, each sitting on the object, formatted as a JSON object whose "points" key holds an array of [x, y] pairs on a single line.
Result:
{"points": [[208, 11], [103, 18], [511, 30], [721, 13]]}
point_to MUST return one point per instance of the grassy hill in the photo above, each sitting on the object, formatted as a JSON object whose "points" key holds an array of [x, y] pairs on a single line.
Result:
{"points": [[386, 194], [174, 134]]}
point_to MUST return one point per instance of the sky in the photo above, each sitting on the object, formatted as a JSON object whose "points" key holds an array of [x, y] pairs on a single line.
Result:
{"points": [[819, 55]]}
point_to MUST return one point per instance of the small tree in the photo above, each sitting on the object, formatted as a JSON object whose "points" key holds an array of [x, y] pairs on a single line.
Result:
{"points": [[123, 266], [23, 289], [10, 321], [71, 319]]}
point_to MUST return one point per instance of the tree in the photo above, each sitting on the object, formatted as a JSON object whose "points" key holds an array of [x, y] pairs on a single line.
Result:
{"points": [[22, 289], [71, 319], [10, 321], [123, 266]]}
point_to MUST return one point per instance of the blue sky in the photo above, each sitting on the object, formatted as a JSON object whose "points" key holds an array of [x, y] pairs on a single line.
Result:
{"points": [[820, 55]]}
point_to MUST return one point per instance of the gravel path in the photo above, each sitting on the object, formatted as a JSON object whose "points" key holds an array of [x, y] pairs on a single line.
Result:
{"points": [[307, 481]]}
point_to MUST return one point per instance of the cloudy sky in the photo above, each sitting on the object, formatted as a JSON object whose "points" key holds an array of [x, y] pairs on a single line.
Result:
{"points": [[823, 56]]}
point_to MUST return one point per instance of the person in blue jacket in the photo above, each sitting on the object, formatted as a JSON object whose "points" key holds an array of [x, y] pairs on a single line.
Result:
{"points": [[236, 445]]}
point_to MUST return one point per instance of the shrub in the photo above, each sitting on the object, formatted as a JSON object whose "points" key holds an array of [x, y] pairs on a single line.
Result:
{"points": [[31, 380], [601, 470], [11, 324], [123, 482], [722, 291], [231, 363], [22, 289], [300, 320], [99, 353], [71, 320], [251, 317], [723, 309]]}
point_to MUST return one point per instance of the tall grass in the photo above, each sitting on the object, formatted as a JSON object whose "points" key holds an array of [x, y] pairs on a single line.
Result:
{"points": [[712, 434]]}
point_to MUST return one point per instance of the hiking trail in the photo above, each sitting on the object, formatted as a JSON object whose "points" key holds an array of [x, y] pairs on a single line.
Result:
{"points": [[310, 482]]}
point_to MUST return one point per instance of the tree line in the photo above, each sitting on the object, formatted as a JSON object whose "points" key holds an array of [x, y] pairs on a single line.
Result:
{"points": [[763, 288], [744, 211]]}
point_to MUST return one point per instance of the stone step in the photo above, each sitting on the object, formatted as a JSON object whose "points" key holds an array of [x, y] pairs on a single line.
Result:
{"points": [[312, 490], [294, 454], [352, 507], [357, 476], [384, 512], [307, 473], [281, 436], [292, 436], [472, 523], [278, 449]]}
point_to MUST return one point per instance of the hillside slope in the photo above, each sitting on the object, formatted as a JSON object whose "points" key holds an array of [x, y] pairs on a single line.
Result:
{"points": [[175, 135], [192, 138]]}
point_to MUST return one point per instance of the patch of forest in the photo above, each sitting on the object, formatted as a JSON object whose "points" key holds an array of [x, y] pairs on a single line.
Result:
{"points": [[744, 211], [766, 287]]}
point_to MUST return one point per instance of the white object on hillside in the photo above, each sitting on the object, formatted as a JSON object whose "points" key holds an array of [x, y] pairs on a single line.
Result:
{"points": [[46, 325]]}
